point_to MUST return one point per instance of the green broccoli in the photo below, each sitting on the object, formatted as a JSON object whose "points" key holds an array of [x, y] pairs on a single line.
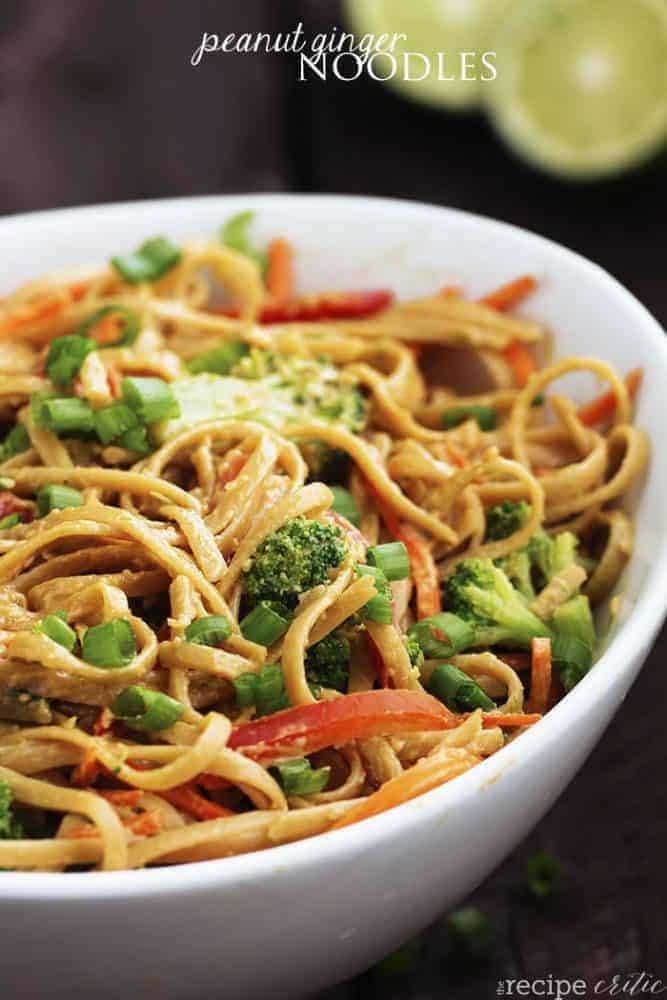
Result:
{"points": [[480, 593], [294, 559], [414, 650], [506, 518], [550, 554], [10, 828], [328, 662], [17, 441], [575, 640]]}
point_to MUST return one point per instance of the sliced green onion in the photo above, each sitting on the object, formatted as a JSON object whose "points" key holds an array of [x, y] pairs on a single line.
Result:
{"points": [[543, 874], [458, 691], [151, 399], [270, 693], [233, 235], [221, 359], [128, 334], [472, 935], [443, 634], [65, 416], [55, 627], [538, 400], [143, 709], [573, 657], [403, 960], [16, 442], [10, 521], [264, 625], [345, 505], [153, 259], [391, 558], [297, 777], [54, 496], [245, 686], [208, 631], [65, 357], [136, 439], [113, 421], [110, 645], [378, 609], [486, 416]]}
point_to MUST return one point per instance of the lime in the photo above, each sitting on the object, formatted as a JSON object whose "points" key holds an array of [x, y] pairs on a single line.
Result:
{"points": [[438, 33], [581, 89]]}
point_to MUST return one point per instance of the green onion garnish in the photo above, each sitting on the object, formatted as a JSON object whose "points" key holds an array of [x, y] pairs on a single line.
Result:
{"points": [[245, 685], [151, 399], [16, 442], [208, 631], [233, 235], [472, 935], [458, 691], [403, 960], [113, 421], [486, 416], [65, 357], [57, 497], [265, 690], [378, 609], [573, 657], [55, 627], [128, 334], [136, 439], [543, 874], [345, 505], [391, 558], [64, 416], [538, 400], [150, 711], [153, 259], [10, 521], [110, 645], [297, 777], [443, 634], [221, 359], [264, 625]]}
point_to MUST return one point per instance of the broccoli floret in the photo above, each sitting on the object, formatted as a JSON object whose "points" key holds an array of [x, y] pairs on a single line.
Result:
{"points": [[328, 662], [518, 568], [506, 518], [414, 651], [480, 593], [296, 558], [10, 828], [552, 553]]}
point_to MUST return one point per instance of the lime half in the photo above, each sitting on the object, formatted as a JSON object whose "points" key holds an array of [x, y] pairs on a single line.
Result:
{"points": [[439, 62], [582, 84]]}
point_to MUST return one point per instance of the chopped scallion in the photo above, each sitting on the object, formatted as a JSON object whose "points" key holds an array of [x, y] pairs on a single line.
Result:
{"points": [[153, 259], [220, 360], [298, 777], [391, 558], [345, 505], [111, 644], [66, 416], [16, 442], [486, 416], [443, 634], [113, 421], [378, 609], [54, 496], [55, 627], [65, 357], [543, 874], [208, 631], [129, 332], [151, 399], [143, 709], [472, 935], [265, 690], [264, 625], [458, 691], [233, 234], [10, 521]]}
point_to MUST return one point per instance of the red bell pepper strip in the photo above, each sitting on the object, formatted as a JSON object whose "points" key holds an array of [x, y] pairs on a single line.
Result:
{"points": [[423, 570], [306, 728], [9, 504], [329, 305]]}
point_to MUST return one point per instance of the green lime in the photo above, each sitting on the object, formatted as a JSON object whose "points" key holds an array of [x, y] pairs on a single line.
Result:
{"points": [[581, 89], [439, 62]]}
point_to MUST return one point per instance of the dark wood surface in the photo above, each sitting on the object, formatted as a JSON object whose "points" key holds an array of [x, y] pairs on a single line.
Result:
{"points": [[98, 102]]}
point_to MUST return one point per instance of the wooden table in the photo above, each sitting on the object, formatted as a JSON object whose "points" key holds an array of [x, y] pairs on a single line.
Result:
{"points": [[97, 105]]}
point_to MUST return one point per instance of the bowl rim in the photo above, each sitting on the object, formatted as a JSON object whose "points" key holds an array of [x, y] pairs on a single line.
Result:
{"points": [[616, 661]]}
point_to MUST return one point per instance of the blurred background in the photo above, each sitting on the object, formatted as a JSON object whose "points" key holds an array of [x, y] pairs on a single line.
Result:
{"points": [[99, 102]]}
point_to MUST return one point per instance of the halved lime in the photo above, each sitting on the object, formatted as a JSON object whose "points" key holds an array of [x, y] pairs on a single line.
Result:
{"points": [[582, 84], [439, 33]]}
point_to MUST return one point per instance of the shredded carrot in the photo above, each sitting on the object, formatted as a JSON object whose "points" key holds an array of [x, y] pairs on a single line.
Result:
{"points": [[427, 774], [86, 770], [211, 782], [603, 407], [521, 361], [509, 295], [451, 292], [423, 570], [489, 720], [540, 675], [120, 796], [50, 306], [104, 722], [185, 797], [145, 825], [280, 272]]}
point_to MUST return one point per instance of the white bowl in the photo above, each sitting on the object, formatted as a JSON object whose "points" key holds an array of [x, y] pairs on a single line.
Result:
{"points": [[294, 919]]}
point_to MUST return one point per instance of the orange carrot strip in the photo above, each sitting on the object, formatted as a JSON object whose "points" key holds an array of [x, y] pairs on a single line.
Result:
{"points": [[540, 675], [423, 570], [450, 292], [144, 825], [427, 774], [86, 770], [489, 720], [211, 782], [521, 361], [186, 798], [280, 271], [509, 295], [120, 796], [603, 407]]}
